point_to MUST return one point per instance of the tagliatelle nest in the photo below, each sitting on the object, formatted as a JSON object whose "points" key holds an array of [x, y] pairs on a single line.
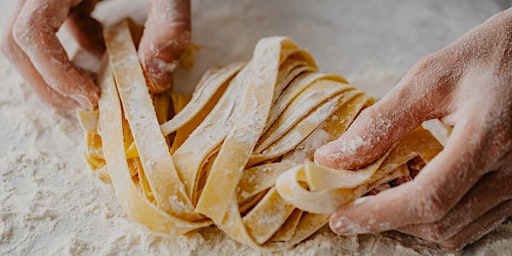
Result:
{"points": [[238, 154]]}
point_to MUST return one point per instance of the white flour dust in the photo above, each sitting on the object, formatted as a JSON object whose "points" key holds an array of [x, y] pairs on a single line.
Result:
{"points": [[52, 204]]}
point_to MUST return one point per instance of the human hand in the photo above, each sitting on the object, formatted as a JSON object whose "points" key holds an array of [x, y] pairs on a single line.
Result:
{"points": [[465, 191], [30, 43]]}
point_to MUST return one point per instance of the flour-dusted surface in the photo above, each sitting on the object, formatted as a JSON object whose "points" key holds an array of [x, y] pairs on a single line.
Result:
{"points": [[52, 204]]}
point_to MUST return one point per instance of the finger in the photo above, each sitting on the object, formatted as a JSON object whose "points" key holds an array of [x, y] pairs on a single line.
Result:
{"points": [[434, 191], [34, 32], [166, 36], [421, 95], [490, 191], [86, 30], [477, 229], [22, 63]]}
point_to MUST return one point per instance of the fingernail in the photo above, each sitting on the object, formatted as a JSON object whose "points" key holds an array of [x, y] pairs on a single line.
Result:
{"points": [[83, 101], [322, 150], [332, 149], [326, 155], [361, 200], [160, 72], [344, 226]]}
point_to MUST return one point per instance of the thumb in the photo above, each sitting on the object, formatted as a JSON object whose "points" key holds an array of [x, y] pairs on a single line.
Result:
{"points": [[378, 127], [166, 36]]}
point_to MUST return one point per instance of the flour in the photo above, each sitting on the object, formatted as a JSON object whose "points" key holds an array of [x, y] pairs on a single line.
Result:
{"points": [[51, 203]]}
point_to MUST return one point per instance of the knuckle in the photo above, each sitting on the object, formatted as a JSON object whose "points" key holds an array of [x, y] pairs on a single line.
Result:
{"points": [[178, 36], [23, 31], [428, 85], [436, 70], [180, 41], [425, 65]]}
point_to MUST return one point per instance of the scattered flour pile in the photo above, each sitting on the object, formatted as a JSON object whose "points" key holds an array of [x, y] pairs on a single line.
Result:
{"points": [[52, 204]]}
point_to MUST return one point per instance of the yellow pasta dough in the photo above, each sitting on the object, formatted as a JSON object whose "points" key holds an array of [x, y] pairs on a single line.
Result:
{"points": [[238, 153]]}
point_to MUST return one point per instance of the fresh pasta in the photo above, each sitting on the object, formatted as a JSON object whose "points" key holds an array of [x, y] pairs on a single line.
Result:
{"points": [[238, 153]]}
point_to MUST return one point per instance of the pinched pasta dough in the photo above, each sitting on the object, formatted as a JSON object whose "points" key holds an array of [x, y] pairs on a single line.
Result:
{"points": [[238, 154]]}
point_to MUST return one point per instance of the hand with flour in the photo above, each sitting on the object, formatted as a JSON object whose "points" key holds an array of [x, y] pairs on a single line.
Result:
{"points": [[30, 43], [464, 192]]}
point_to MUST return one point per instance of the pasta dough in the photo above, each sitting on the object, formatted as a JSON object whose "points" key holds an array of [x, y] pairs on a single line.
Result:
{"points": [[238, 154]]}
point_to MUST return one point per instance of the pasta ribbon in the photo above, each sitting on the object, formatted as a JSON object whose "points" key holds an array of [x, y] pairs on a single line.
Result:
{"points": [[239, 152]]}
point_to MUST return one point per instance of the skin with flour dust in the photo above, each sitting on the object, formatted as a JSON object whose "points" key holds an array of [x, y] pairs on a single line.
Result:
{"points": [[29, 41], [464, 192], [447, 85]]}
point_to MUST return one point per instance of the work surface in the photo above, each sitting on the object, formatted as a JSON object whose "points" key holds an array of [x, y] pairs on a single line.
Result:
{"points": [[52, 204]]}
